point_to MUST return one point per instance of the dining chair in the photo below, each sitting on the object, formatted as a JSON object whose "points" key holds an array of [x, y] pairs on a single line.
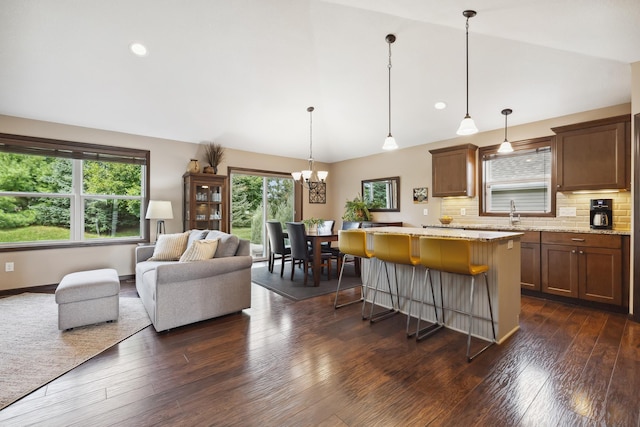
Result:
{"points": [[302, 253], [277, 245], [454, 256]]}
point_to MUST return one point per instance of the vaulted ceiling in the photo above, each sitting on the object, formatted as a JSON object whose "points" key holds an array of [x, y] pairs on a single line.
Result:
{"points": [[243, 72]]}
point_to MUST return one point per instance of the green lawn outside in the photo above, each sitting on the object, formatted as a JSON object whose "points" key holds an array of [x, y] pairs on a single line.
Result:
{"points": [[242, 232], [36, 233]]}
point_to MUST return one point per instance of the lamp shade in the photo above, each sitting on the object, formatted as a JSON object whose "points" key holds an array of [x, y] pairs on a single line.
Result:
{"points": [[159, 209], [505, 147], [467, 127], [389, 143]]}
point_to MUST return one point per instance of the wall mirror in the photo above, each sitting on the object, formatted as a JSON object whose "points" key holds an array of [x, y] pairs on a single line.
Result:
{"points": [[382, 194]]}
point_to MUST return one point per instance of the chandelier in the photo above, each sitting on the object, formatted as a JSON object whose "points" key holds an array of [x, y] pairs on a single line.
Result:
{"points": [[309, 178]]}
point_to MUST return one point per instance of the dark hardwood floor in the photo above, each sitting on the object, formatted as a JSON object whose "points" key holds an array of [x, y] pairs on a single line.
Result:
{"points": [[285, 363]]}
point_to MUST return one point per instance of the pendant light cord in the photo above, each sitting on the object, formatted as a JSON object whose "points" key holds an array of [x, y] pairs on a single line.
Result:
{"points": [[310, 110], [389, 67], [467, 56], [505, 126]]}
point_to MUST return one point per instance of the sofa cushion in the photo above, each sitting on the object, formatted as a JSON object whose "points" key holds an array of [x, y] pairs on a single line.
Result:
{"points": [[170, 247], [228, 244], [200, 250], [196, 235]]}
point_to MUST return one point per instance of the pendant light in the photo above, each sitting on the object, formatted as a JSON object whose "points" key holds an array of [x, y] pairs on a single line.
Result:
{"points": [[390, 142], [505, 147], [309, 178], [467, 126]]}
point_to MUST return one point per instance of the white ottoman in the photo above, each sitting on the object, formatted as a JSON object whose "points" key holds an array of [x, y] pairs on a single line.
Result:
{"points": [[88, 297]]}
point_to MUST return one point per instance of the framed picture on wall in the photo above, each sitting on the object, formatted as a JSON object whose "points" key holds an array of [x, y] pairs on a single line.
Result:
{"points": [[421, 195], [318, 193]]}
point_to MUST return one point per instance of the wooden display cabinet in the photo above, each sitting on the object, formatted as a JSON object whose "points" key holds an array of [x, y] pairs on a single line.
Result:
{"points": [[205, 202]]}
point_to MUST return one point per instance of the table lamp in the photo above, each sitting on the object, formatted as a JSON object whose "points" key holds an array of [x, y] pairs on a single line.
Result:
{"points": [[159, 210]]}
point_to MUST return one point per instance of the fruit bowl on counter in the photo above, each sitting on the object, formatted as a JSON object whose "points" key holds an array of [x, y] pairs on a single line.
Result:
{"points": [[445, 219]]}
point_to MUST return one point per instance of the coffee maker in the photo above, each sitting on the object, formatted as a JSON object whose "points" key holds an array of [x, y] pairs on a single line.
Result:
{"points": [[601, 214]]}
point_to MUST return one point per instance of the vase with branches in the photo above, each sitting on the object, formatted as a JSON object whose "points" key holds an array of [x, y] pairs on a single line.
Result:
{"points": [[215, 155]]}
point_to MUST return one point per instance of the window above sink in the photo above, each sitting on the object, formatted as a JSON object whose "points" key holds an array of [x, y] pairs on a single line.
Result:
{"points": [[523, 179]]}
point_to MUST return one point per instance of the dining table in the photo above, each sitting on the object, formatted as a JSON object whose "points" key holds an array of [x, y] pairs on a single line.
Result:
{"points": [[316, 239]]}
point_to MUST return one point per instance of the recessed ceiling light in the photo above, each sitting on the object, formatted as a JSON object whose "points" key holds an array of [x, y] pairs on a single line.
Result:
{"points": [[138, 49], [440, 105]]}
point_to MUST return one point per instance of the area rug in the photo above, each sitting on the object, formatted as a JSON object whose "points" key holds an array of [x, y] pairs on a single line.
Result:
{"points": [[296, 290], [34, 352]]}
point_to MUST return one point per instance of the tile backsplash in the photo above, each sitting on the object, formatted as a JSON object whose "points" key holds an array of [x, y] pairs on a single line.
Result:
{"points": [[621, 211]]}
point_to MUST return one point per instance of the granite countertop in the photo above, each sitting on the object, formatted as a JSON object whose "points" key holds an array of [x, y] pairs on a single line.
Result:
{"points": [[523, 228], [449, 233]]}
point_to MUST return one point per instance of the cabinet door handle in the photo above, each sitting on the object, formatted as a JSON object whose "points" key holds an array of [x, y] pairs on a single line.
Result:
{"points": [[575, 239], [581, 252], [573, 251]]}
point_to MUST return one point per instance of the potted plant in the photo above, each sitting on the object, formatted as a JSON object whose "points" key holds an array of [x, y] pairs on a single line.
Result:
{"points": [[312, 224], [215, 154], [356, 210]]}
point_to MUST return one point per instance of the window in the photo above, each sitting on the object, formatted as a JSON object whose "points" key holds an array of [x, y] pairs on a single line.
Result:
{"points": [[524, 177], [65, 193]]}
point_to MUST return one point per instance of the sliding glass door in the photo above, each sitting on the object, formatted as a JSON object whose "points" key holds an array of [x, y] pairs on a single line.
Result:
{"points": [[255, 198]]}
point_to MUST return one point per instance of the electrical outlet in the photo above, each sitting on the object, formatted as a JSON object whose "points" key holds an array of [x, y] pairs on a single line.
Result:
{"points": [[463, 211], [425, 211], [510, 244], [8, 266]]}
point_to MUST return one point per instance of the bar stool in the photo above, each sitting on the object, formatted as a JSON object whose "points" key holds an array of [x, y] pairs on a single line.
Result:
{"points": [[351, 243], [392, 248], [454, 256], [430, 258]]}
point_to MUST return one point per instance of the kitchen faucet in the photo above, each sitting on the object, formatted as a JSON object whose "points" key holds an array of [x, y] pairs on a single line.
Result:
{"points": [[512, 214]]}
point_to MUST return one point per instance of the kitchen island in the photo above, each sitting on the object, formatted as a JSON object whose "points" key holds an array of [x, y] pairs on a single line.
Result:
{"points": [[499, 250]]}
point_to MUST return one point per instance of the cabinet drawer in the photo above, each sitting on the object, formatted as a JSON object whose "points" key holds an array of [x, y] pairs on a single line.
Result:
{"points": [[530, 237], [582, 239]]}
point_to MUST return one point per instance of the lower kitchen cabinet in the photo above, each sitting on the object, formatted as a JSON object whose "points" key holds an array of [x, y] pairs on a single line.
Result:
{"points": [[530, 260], [582, 265]]}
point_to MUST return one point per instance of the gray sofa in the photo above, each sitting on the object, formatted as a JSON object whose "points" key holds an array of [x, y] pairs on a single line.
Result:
{"points": [[178, 293]]}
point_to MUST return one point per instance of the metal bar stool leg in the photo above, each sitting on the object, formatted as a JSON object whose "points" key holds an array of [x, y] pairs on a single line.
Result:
{"points": [[335, 302], [436, 326], [385, 313], [493, 329], [413, 274]]}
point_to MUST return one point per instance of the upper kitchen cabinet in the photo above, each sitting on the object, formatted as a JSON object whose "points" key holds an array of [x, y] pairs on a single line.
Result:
{"points": [[594, 155], [453, 171]]}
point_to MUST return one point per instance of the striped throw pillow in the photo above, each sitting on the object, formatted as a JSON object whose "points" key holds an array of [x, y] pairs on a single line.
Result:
{"points": [[200, 250], [170, 247]]}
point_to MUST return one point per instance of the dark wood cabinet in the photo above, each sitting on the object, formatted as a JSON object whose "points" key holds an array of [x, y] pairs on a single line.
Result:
{"points": [[205, 202], [530, 260], [582, 265], [369, 224], [594, 155], [453, 171]]}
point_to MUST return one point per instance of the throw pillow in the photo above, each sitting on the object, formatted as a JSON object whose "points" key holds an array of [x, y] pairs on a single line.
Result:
{"points": [[170, 247], [228, 245], [196, 235], [200, 250]]}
